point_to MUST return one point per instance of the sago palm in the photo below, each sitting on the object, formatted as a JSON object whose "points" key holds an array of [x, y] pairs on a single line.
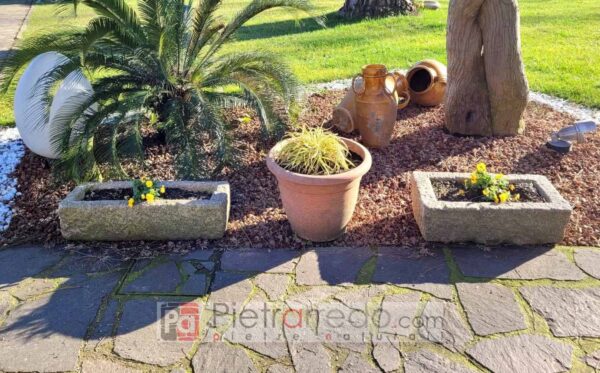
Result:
{"points": [[165, 61]]}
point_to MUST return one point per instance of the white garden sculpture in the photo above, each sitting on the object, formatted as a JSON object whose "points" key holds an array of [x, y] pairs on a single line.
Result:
{"points": [[30, 107]]}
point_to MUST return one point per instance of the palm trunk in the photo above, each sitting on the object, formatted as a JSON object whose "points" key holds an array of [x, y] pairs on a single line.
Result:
{"points": [[376, 8]]}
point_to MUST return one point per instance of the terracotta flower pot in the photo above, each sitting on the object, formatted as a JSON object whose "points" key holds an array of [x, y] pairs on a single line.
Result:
{"points": [[319, 207]]}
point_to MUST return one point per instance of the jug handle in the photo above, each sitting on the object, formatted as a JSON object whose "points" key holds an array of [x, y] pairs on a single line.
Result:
{"points": [[354, 87], [393, 90], [405, 102]]}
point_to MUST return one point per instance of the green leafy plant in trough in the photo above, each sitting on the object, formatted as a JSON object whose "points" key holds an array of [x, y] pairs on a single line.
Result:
{"points": [[314, 151], [165, 61]]}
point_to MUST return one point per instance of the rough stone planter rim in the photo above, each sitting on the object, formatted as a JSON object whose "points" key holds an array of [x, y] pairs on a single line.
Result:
{"points": [[343, 177], [164, 219], [218, 194], [543, 186]]}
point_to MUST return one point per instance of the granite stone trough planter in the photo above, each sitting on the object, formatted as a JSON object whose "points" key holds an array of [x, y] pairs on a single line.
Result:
{"points": [[521, 223], [164, 219]]}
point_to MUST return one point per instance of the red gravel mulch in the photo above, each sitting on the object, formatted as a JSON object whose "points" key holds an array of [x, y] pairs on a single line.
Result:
{"points": [[383, 214]]}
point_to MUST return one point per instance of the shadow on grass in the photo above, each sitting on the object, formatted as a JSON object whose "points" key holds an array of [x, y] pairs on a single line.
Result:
{"points": [[290, 27]]}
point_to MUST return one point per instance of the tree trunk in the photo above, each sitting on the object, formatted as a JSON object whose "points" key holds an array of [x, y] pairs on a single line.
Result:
{"points": [[376, 8], [487, 89]]}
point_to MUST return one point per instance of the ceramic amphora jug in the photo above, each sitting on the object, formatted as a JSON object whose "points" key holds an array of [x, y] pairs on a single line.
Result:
{"points": [[376, 105], [427, 82]]}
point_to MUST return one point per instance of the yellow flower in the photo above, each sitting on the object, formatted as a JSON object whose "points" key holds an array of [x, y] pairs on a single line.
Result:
{"points": [[130, 202], [481, 167], [504, 197], [517, 197], [511, 187], [162, 189], [150, 198], [486, 192], [143, 196], [499, 176], [473, 178], [149, 184], [496, 199]]}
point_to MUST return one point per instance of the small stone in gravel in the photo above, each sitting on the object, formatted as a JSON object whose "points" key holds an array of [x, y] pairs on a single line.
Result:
{"points": [[519, 263], [588, 259], [402, 267], [273, 284], [424, 361], [259, 260], [569, 312], [103, 365], [220, 357], [355, 363], [443, 324], [387, 355], [161, 279], [230, 288], [522, 353], [23, 262], [490, 308], [137, 336], [331, 266]]}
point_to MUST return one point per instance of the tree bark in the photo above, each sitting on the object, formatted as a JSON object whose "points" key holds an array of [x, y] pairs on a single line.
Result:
{"points": [[487, 89], [376, 8]]}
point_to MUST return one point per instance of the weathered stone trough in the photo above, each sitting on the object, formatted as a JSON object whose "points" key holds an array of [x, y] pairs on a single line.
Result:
{"points": [[164, 219], [522, 223]]}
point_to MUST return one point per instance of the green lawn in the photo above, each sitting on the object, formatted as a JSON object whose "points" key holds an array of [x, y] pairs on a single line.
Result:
{"points": [[561, 43]]}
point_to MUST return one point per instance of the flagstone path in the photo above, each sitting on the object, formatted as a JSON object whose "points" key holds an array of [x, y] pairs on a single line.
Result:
{"points": [[12, 16], [461, 309]]}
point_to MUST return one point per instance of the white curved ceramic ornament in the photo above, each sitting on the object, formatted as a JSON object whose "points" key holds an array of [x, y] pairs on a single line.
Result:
{"points": [[29, 108]]}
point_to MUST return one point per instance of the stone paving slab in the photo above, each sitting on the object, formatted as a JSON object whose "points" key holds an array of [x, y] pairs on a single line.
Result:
{"points": [[517, 263], [21, 263], [46, 334], [491, 308], [588, 259], [138, 335], [523, 353], [55, 332], [401, 267], [569, 312], [259, 260], [331, 266], [12, 16]]}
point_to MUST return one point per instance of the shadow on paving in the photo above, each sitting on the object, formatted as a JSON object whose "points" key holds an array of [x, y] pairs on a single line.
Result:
{"points": [[88, 303]]}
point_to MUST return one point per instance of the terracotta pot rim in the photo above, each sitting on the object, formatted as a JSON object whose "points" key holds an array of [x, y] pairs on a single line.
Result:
{"points": [[340, 178]]}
